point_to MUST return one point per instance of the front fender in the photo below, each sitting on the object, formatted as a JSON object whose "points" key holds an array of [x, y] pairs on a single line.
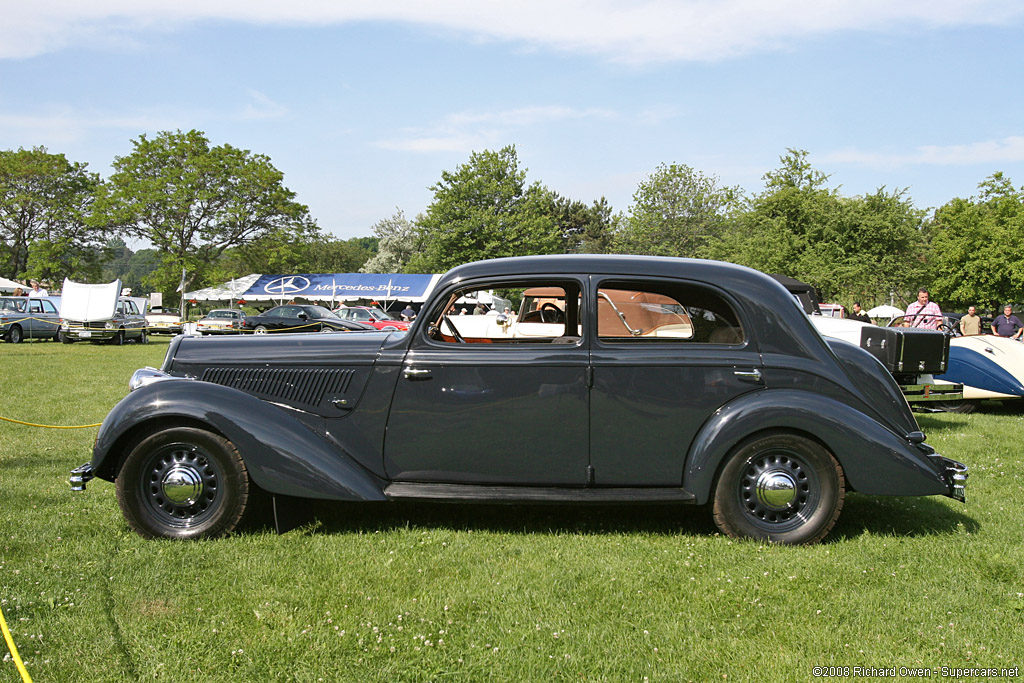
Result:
{"points": [[282, 454], [875, 460]]}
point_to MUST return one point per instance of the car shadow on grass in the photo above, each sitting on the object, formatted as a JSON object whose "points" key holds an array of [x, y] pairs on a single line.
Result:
{"points": [[900, 516], [874, 515], [665, 519]]}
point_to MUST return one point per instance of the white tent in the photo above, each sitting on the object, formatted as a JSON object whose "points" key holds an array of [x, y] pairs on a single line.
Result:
{"points": [[885, 311], [229, 291], [8, 286]]}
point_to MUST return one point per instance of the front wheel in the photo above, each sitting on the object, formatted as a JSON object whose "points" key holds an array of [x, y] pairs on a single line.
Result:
{"points": [[184, 483], [779, 487], [15, 335], [144, 337], [260, 329]]}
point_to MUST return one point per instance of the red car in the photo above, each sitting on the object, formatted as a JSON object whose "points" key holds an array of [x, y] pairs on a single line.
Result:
{"points": [[371, 315]]}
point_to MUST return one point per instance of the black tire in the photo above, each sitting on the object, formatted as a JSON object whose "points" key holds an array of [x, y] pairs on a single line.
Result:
{"points": [[779, 487], [15, 335], [66, 339], [962, 407], [118, 338], [144, 337], [260, 329], [185, 483]]}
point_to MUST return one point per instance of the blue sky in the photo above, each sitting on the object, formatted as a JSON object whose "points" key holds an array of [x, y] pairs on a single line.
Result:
{"points": [[363, 104]]}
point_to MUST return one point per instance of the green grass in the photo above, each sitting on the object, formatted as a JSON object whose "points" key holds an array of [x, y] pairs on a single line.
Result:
{"points": [[465, 593]]}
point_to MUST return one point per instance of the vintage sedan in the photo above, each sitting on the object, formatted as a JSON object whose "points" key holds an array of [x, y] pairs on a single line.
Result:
{"points": [[27, 318], [639, 380], [221, 321], [164, 321], [299, 318]]}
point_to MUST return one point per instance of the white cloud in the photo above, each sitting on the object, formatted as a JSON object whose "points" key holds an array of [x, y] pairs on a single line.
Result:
{"points": [[1007, 150], [262, 108], [477, 130], [634, 32]]}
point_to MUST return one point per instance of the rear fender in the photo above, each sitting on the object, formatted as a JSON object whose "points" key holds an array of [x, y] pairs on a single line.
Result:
{"points": [[282, 454], [874, 460]]}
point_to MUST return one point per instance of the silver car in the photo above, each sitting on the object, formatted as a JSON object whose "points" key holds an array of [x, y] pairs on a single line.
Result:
{"points": [[26, 318], [126, 323]]}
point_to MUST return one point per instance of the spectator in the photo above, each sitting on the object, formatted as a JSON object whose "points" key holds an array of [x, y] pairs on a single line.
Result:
{"points": [[923, 314], [37, 290], [970, 324], [18, 291], [408, 314], [1007, 324], [859, 314]]}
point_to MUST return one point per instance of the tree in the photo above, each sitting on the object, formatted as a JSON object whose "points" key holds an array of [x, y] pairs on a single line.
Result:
{"points": [[398, 241], [584, 229], [45, 202], [977, 246], [485, 210], [193, 201], [677, 211]]}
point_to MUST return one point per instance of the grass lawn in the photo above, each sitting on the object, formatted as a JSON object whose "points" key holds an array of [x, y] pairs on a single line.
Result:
{"points": [[466, 593]]}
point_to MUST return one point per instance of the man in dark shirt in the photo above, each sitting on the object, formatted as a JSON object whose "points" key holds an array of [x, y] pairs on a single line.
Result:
{"points": [[859, 314], [1007, 324]]}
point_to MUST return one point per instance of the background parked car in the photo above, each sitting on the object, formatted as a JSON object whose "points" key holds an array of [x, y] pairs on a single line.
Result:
{"points": [[299, 318], [373, 316], [164, 321], [98, 313], [25, 318], [221, 321]]}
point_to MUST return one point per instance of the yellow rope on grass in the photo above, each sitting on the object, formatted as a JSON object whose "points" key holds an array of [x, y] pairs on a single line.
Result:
{"points": [[31, 424], [14, 650]]}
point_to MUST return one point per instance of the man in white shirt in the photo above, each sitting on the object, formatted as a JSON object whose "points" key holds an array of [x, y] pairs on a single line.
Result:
{"points": [[37, 290]]}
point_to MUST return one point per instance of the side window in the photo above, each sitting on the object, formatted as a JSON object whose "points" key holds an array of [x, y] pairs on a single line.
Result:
{"points": [[665, 312], [510, 313], [35, 306], [48, 307]]}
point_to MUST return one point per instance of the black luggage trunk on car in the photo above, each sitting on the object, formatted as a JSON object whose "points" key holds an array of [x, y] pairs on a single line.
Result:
{"points": [[906, 350]]}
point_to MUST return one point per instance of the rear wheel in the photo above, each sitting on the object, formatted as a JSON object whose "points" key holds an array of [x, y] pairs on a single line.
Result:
{"points": [[260, 329], [779, 487], [15, 335], [963, 407], [185, 483]]}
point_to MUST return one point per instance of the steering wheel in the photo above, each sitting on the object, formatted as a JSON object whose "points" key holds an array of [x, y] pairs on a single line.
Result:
{"points": [[557, 316], [455, 333]]}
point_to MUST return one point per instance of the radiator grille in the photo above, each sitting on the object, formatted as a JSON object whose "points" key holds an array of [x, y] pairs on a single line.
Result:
{"points": [[297, 386]]}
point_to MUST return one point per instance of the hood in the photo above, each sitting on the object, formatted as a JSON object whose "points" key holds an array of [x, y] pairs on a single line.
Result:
{"points": [[86, 303], [191, 356]]}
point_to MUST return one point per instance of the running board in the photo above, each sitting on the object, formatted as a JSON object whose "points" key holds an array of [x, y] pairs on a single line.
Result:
{"points": [[535, 494]]}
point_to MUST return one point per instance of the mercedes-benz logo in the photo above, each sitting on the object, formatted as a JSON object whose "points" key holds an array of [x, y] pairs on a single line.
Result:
{"points": [[290, 284]]}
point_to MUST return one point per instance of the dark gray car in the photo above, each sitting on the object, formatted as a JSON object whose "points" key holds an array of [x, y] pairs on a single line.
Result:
{"points": [[27, 318], [127, 323], [618, 380]]}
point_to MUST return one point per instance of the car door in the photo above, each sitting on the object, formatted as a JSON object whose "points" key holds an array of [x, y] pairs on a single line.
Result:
{"points": [[666, 355], [43, 318], [475, 405]]}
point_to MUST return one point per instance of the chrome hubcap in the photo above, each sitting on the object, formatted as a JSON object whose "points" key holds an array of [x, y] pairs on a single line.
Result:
{"points": [[775, 489], [182, 485]]}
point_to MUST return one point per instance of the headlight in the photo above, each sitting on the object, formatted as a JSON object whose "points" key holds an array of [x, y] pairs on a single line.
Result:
{"points": [[109, 325], [145, 376], [64, 325]]}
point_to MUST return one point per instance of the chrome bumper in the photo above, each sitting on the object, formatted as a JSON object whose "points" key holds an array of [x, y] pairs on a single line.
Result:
{"points": [[80, 476], [955, 475]]}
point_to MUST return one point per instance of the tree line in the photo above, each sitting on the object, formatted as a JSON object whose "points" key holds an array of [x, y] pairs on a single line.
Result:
{"points": [[216, 212]]}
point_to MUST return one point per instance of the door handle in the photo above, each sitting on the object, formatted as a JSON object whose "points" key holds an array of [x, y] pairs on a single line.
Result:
{"points": [[748, 375], [416, 375]]}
